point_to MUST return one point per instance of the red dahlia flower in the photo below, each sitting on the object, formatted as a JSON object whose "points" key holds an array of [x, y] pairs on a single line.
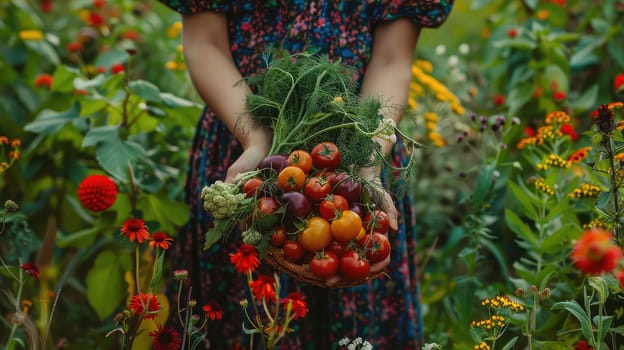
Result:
{"points": [[135, 229], [582, 345], [31, 269], [160, 240], [97, 192], [595, 252], [245, 259], [213, 310], [559, 96], [620, 276], [138, 305], [117, 68], [166, 338], [262, 287]]}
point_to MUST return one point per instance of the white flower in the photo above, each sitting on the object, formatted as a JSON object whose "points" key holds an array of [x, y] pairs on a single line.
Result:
{"points": [[440, 50], [464, 49], [458, 75], [343, 341], [453, 60]]}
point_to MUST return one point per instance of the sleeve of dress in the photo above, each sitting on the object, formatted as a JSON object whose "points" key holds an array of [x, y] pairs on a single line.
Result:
{"points": [[188, 7], [425, 13]]}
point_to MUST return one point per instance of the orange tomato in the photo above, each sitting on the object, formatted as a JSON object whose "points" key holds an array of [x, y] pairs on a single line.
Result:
{"points": [[346, 226], [291, 178], [316, 235], [301, 159]]}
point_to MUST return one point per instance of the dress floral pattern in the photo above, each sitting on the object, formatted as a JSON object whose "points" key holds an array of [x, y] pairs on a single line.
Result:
{"points": [[385, 312]]}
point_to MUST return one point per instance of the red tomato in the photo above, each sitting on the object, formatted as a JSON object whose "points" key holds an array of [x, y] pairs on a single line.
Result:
{"points": [[267, 205], [250, 188], [278, 237], [316, 235], [317, 188], [291, 178], [324, 265], [265, 216], [377, 247], [336, 247], [347, 186], [332, 205], [300, 159], [293, 251], [325, 155], [353, 267], [377, 221], [346, 226]]}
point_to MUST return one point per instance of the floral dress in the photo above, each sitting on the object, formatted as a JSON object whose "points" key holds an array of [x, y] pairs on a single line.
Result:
{"points": [[384, 312]]}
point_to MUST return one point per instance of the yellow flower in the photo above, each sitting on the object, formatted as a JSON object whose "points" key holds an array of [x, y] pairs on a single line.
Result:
{"points": [[425, 65], [171, 65], [31, 34], [431, 117], [458, 109], [542, 14], [180, 48], [174, 30], [412, 103]]}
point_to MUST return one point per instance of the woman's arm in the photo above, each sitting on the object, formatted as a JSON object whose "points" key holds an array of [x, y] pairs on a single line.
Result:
{"points": [[388, 72], [216, 78]]}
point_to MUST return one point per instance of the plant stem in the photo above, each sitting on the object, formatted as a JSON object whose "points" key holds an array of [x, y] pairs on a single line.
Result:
{"points": [[10, 341], [614, 187]]}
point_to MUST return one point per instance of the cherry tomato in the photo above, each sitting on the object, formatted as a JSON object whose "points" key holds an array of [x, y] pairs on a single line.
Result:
{"points": [[332, 205], [293, 251], [317, 188], [278, 237], [265, 216], [326, 155], [324, 264], [346, 226], [316, 235], [267, 205], [376, 221], [377, 247], [250, 188], [353, 267], [301, 159], [336, 247], [291, 178]]}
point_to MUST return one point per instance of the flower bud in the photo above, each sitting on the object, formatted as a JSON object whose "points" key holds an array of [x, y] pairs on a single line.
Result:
{"points": [[10, 205]]}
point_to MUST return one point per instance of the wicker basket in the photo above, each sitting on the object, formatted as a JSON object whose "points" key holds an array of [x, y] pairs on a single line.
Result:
{"points": [[301, 272]]}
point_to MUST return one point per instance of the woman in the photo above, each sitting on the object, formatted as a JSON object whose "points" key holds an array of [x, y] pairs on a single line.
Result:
{"points": [[223, 42]]}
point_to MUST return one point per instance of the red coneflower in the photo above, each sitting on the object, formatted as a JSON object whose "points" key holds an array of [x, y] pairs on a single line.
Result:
{"points": [[568, 129], [263, 287], [137, 305], [245, 259], [44, 80], [579, 155], [618, 82], [95, 19], [97, 192], [213, 310], [160, 240], [74, 46], [559, 96], [117, 68], [595, 252], [299, 307], [166, 338], [31, 269], [582, 345], [135, 229]]}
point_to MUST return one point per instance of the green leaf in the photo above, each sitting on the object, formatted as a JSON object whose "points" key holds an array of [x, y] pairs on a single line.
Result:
{"points": [[105, 284], [166, 212], [520, 228], [510, 343], [49, 121], [145, 90], [158, 268], [518, 97], [111, 57], [484, 183], [99, 134], [600, 286], [84, 84], [172, 101], [79, 239], [603, 323], [558, 240], [116, 155], [615, 46], [45, 50], [575, 309], [216, 233], [524, 199], [63, 80], [587, 100]]}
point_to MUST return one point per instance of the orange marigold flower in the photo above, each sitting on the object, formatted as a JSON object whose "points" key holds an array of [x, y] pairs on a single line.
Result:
{"points": [[31, 269], [165, 338], [579, 155], [263, 287], [245, 259], [44, 80], [135, 229], [14, 155], [160, 240], [97, 192], [137, 305], [596, 252], [213, 310], [299, 307], [526, 141], [4, 140], [16, 143], [557, 117], [117, 68]]}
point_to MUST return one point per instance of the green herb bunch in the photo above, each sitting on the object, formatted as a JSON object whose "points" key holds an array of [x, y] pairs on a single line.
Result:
{"points": [[306, 99]]}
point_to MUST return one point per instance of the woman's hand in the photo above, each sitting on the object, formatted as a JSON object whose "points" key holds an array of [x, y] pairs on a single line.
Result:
{"points": [[256, 146]]}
